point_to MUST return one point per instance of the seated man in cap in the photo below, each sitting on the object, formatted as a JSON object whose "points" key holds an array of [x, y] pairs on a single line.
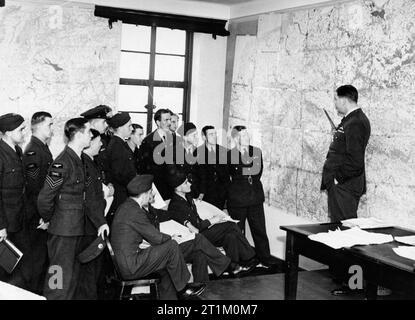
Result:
{"points": [[12, 191], [219, 232], [121, 164], [131, 226]]}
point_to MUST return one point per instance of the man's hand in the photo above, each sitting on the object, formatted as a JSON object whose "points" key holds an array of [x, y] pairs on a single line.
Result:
{"points": [[200, 198], [103, 231], [43, 225], [192, 228], [3, 234], [176, 237]]}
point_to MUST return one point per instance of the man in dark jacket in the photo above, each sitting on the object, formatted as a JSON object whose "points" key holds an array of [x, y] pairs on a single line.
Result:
{"points": [[161, 254], [213, 173], [217, 230], [36, 159], [12, 194], [246, 194], [344, 175]]}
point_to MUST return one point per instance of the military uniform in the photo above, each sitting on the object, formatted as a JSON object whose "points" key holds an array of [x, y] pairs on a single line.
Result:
{"points": [[246, 197], [130, 227], [121, 168], [12, 209], [225, 234], [345, 162], [36, 159], [213, 174], [62, 203]]}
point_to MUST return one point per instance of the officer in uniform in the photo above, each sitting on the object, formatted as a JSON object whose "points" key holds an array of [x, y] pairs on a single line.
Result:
{"points": [[98, 118], [135, 260], [121, 164], [36, 159], [95, 221], [344, 175], [61, 202], [212, 170], [246, 194], [12, 194]]}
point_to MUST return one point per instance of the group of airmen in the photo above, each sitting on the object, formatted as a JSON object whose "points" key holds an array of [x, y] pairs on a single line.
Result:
{"points": [[55, 210]]}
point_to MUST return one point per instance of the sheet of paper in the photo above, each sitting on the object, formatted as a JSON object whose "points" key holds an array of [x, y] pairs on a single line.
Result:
{"points": [[10, 292], [172, 227], [159, 203], [349, 238], [108, 199], [207, 211], [366, 223], [409, 240], [406, 252]]}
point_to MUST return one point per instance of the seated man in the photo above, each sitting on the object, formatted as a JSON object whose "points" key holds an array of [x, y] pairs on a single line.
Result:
{"points": [[130, 227], [216, 230]]}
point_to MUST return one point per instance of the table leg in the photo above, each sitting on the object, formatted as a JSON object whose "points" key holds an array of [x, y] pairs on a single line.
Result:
{"points": [[291, 268]]}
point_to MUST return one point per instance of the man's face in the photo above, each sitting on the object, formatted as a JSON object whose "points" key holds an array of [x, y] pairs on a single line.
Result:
{"points": [[95, 146], [137, 137], [17, 135], [192, 138], [126, 130], [45, 128], [340, 105], [174, 123], [211, 136], [151, 197], [165, 122], [244, 139], [100, 125], [85, 136], [185, 187]]}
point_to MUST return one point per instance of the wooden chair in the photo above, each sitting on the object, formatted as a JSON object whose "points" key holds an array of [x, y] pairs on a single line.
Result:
{"points": [[152, 280]]}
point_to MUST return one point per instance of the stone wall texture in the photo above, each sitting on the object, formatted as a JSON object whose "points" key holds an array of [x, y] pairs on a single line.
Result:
{"points": [[61, 59], [288, 73]]}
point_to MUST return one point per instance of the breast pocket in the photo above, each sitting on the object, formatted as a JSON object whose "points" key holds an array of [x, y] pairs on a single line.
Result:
{"points": [[13, 178]]}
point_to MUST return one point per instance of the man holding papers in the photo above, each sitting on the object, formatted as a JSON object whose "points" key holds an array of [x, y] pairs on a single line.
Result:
{"points": [[217, 230]]}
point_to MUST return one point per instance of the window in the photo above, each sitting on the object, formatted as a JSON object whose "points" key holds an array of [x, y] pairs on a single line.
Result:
{"points": [[155, 71]]}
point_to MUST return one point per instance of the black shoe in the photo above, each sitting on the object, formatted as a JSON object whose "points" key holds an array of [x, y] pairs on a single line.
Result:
{"points": [[270, 262], [191, 290]]}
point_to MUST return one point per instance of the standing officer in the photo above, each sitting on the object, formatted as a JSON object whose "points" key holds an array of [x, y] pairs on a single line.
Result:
{"points": [[212, 170], [246, 194], [61, 202], [12, 193], [344, 175], [36, 159], [98, 118]]}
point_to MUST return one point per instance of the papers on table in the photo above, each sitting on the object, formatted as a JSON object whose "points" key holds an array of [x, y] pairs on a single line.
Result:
{"points": [[406, 252], [349, 238], [10, 292], [108, 199], [410, 240], [207, 211], [172, 227], [366, 223], [159, 203]]}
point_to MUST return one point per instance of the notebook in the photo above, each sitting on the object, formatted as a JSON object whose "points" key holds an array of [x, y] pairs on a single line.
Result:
{"points": [[9, 255]]}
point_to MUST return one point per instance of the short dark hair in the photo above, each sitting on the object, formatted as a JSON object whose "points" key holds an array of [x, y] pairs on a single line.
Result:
{"points": [[206, 128], [159, 112], [39, 117], [95, 134], [136, 126], [73, 126], [349, 92], [236, 130]]}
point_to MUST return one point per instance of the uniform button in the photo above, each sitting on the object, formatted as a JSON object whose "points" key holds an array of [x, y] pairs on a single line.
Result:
{"points": [[77, 181]]}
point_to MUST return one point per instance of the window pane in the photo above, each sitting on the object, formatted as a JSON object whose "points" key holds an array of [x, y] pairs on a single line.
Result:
{"points": [[169, 68], [135, 38], [170, 41], [139, 118], [171, 98], [132, 98], [134, 65]]}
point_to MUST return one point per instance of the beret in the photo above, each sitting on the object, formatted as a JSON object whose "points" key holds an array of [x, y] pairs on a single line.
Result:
{"points": [[140, 184], [99, 112], [92, 251], [119, 119], [185, 128], [10, 121], [176, 178]]}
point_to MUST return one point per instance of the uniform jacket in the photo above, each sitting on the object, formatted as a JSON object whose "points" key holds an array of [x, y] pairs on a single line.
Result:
{"points": [[245, 188], [213, 174], [345, 160], [37, 159], [121, 168], [130, 227], [185, 210], [62, 198], [153, 147], [95, 202], [12, 188], [102, 159]]}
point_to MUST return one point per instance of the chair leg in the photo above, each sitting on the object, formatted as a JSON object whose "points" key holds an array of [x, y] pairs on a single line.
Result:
{"points": [[122, 291], [156, 289]]}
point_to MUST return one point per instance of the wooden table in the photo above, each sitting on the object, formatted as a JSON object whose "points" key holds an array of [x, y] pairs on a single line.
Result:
{"points": [[380, 264]]}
